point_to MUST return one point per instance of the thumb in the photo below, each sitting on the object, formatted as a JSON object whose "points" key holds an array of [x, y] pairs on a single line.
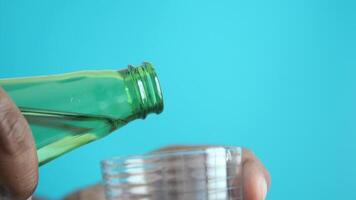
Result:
{"points": [[256, 179]]}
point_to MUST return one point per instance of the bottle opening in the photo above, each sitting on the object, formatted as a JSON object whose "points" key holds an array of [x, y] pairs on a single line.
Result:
{"points": [[148, 87]]}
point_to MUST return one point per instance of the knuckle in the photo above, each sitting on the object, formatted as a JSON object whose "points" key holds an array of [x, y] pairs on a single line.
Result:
{"points": [[13, 129], [248, 154], [21, 192]]}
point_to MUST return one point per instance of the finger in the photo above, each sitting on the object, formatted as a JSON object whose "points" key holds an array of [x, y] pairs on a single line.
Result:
{"points": [[95, 192], [18, 158], [256, 179]]}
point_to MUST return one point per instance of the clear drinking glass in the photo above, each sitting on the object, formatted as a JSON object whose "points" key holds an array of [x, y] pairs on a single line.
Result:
{"points": [[207, 173]]}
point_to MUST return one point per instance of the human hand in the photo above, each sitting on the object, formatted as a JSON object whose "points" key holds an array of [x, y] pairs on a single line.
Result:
{"points": [[18, 157]]}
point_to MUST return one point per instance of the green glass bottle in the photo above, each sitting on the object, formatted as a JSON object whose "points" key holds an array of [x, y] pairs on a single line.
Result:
{"points": [[69, 110]]}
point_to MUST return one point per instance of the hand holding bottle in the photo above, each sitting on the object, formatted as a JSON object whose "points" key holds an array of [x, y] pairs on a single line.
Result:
{"points": [[19, 163]]}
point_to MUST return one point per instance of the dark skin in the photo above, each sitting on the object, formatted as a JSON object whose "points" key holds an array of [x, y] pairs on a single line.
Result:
{"points": [[18, 158], [19, 163]]}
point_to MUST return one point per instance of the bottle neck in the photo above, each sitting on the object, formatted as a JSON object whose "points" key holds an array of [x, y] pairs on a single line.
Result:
{"points": [[144, 89]]}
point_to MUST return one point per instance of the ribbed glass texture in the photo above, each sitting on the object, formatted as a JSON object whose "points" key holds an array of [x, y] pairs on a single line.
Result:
{"points": [[209, 173]]}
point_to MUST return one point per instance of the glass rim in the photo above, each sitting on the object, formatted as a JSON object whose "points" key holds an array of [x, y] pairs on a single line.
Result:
{"points": [[190, 150]]}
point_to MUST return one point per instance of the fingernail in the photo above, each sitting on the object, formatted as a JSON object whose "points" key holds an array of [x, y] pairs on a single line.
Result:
{"points": [[30, 198], [262, 185]]}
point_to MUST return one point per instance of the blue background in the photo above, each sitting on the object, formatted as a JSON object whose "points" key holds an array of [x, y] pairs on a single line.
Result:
{"points": [[275, 76]]}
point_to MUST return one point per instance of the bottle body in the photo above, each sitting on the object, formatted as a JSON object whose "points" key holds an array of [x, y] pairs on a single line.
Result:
{"points": [[69, 110]]}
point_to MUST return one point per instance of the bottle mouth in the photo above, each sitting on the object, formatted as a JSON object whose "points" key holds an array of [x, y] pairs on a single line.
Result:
{"points": [[148, 87]]}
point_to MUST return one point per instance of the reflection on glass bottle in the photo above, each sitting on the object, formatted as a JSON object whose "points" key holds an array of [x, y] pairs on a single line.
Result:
{"points": [[69, 110]]}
